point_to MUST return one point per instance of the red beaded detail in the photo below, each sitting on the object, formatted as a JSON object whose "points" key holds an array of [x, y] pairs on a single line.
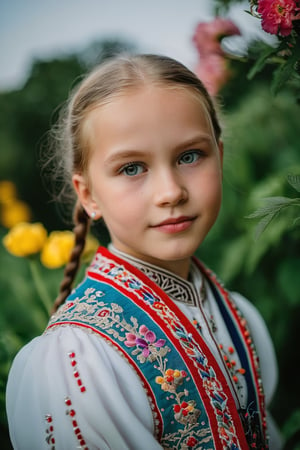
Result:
{"points": [[72, 413], [231, 363], [76, 372], [49, 432]]}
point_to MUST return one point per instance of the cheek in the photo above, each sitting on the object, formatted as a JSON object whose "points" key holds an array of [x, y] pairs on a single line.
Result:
{"points": [[121, 208], [209, 185], [210, 197]]}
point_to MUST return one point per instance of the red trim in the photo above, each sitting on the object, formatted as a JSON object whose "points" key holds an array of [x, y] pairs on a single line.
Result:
{"points": [[131, 361], [196, 336], [242, 329]]}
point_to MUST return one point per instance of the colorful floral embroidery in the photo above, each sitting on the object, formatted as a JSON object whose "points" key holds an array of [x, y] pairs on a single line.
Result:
{"points": [[145, 341], [254, 421], [147, 347], [189, 426]]}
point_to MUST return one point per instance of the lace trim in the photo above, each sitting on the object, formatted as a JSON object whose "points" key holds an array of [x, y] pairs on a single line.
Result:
{"points": [[174, 286]]}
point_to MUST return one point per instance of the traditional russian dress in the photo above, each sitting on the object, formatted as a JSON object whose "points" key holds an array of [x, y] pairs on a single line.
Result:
{"points": [[138, 358]]}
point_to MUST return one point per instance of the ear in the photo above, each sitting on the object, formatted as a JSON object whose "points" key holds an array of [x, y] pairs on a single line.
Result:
{"points": [[85, 196]]}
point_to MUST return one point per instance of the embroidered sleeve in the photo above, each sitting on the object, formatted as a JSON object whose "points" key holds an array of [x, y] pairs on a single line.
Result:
{"points": [[75, 391]]}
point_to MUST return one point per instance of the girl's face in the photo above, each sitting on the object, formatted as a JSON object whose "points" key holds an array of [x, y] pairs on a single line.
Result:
{"points": [[154, 174]]}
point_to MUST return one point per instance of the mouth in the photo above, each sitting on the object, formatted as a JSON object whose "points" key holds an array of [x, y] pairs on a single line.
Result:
{"points": [[175, 224]]}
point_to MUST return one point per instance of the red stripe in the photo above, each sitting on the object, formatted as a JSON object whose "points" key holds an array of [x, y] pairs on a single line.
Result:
{"points": [[157, 291], [251, 357]]}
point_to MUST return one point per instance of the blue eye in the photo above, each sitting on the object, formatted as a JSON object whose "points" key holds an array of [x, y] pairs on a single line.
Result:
{"points": [[132, 169], [189, 157]]}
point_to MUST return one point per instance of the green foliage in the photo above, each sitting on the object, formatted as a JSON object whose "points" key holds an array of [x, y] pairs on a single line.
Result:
{"points": [[22, 316], [222, 6], [272, 208], [27, 115], [283, 62], [262, 161]]}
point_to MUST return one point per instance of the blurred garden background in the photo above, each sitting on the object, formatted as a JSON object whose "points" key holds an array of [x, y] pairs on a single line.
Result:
{"points": [[254, 247]]}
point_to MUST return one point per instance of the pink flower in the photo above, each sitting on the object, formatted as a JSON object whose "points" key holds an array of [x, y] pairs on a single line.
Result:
{"points": [[150, 339], [130, 340], [208, 35], [212, 68], [213, 72], [278, 15]]}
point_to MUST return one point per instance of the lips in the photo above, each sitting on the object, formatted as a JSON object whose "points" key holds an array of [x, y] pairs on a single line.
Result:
{"points": [[175, 224]]}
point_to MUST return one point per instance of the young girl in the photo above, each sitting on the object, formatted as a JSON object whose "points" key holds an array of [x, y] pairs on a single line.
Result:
{"points": [[149, 351]]}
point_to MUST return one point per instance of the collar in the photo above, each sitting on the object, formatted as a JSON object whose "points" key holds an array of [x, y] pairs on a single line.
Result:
{"points": [[189, 292]]}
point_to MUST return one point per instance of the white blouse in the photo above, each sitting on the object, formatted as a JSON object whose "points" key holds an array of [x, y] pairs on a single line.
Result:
{"points": [[46, 410]]}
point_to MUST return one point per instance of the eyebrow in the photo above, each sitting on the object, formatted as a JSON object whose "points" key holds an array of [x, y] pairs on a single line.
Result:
{"points": [[127, 154], [124, 154], [196, 140]]}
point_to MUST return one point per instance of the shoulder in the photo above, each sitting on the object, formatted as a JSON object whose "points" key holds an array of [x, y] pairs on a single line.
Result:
{"points": [[61, 349], [69, 372], [263, 343]]}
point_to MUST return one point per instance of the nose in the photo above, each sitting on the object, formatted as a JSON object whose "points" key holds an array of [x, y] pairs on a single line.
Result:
{"points": [[169, 189]]}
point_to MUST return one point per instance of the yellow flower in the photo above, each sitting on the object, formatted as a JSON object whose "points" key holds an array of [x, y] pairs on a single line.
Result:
{"points": [[14, 212], [8, 191], [57, 249], [25, 239], [159, 380]]}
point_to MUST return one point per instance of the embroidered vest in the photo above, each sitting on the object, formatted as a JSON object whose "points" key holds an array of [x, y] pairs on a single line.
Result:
{"points": [[192, 404]]}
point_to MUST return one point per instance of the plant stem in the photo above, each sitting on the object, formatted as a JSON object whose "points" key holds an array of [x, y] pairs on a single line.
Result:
{"points": [[40, 286]]}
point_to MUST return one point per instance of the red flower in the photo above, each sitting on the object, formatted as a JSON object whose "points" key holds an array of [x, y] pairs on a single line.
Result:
{"points": [[103, 313], [277, 15], [191, 442], [176, 408]]}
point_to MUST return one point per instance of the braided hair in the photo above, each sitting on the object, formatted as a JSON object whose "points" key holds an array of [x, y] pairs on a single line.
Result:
{"points": [[81, 227]]}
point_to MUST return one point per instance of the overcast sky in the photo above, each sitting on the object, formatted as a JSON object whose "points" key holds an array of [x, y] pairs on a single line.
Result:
{"points": [[31, 29]]}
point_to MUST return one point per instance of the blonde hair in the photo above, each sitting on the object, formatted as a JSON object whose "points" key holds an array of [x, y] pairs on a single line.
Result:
{"points": [[110, 79]]}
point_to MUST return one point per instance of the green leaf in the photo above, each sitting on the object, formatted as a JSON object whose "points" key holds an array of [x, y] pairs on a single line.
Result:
{"points": [[294, 181], [270, 239], [260, 63], [263, 223], [272, 205], [281, 75]]}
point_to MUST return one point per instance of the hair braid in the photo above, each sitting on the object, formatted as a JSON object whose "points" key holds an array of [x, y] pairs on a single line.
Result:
{"points": [[81, 227]]}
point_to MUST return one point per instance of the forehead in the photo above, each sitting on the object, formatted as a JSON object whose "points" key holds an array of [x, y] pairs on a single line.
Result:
{"points": [[144, 103], [152, 120]]}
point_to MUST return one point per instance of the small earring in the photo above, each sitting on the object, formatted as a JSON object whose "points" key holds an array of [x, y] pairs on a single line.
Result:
{"points": [[93, 215]]}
